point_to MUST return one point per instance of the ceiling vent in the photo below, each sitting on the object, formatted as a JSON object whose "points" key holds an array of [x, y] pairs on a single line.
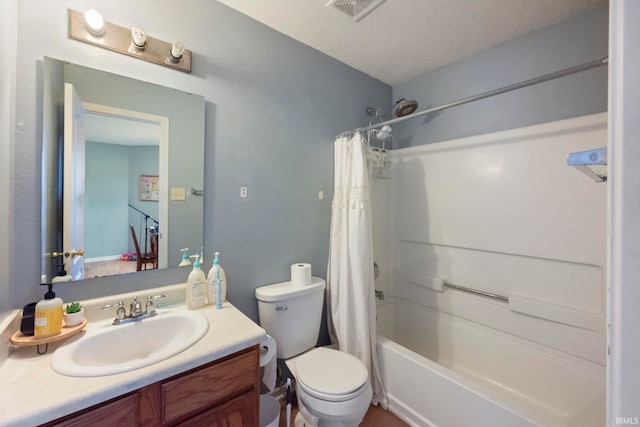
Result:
{"points": [[356, 9]]}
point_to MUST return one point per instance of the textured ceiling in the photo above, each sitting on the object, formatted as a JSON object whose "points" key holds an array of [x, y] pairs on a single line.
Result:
{"points": [[402, 39]]}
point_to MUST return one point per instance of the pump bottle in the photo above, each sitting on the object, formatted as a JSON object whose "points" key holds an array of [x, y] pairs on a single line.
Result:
{"points": [[217, 281], [196, 282], [48, 318], [185, 257]]}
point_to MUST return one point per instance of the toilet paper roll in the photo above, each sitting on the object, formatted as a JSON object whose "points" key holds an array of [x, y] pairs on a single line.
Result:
{"points": [[300, 274], [268, 363]]}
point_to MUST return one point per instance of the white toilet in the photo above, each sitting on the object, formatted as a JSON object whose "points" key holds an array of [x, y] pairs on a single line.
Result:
{"points": [[332, 386]]}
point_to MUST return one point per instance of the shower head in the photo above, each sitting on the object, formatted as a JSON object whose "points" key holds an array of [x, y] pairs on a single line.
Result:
{"points": [[404, 107]]}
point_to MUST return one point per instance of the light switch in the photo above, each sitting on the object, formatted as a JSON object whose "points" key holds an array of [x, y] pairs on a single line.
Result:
{"points": [[178, 193]]}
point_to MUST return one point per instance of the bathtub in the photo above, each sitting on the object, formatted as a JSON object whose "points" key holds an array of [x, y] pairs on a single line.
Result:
{"points": [[446, 371]]}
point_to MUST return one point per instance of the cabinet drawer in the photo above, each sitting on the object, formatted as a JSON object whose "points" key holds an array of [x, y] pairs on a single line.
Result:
{"points": [[209, 386], [121, 413]]}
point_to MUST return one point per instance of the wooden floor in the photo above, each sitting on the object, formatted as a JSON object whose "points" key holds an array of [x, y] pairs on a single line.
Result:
{"points": [[375, 417]]}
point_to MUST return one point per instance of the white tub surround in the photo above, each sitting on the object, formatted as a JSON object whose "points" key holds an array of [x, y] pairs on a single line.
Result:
{"points": [[455, 372], [31, 393], [501, 213]]}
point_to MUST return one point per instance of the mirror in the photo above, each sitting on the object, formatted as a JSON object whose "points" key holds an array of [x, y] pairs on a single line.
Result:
{"points": [[142, 148]]}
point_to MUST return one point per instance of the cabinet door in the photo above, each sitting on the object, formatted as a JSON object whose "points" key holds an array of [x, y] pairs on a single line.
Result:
{"points": [[119, 413], [242, 411], [209, 386]]}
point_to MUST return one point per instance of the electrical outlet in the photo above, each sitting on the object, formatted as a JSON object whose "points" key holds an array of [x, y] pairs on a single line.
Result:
{"points": [[243, 192], [178, 193]]}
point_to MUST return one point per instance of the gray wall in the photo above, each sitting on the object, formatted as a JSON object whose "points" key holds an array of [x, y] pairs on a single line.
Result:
{"points": [[581, 39], [273, 109]]}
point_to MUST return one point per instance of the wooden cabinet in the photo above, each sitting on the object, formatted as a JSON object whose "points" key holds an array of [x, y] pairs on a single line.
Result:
{"points": [[118, 412], [223, 393], [237, 412]]}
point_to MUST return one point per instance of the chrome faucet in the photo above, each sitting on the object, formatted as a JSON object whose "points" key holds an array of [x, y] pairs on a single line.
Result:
{"points": [[135, 310]]}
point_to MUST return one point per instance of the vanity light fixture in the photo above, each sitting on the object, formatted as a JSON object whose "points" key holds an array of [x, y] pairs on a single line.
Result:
{"points": [[90, 27]]}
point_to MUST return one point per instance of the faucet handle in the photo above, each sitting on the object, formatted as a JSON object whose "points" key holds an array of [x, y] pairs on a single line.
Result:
{"points": [[150, 305], [120, 311]]}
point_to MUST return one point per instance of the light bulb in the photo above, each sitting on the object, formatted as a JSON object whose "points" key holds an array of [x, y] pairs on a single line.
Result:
{"points": [[94, 22], [139, 36], [177, 49]]}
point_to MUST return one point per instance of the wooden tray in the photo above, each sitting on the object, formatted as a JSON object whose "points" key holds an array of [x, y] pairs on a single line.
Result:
{"points": [[20, 340]]}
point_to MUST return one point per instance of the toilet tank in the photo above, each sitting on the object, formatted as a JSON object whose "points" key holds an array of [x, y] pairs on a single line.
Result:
{"points": [[291, 315]]}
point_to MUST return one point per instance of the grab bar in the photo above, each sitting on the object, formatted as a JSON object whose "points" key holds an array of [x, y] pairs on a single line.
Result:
{"points": [[476, 292]]}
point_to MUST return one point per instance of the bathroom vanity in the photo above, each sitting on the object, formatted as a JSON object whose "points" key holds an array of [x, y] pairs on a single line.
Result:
{"points": [[224, 393], [215, 380]]}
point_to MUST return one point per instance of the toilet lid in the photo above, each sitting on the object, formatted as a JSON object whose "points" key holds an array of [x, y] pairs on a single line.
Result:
{"points": [[330, 373]]}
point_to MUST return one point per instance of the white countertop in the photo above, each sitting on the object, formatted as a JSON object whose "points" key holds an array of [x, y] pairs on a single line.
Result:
{"points": [[32, 393]]}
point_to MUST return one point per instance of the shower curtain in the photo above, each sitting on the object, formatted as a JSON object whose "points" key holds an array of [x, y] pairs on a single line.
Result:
{"points": [[350, 280]]}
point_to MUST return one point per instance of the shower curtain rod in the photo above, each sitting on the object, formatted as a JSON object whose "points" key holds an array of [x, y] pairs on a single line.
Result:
{"points": [[536, 80]]}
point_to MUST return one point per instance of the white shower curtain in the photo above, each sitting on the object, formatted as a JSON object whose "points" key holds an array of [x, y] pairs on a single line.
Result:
{"points": [[350, 280]]}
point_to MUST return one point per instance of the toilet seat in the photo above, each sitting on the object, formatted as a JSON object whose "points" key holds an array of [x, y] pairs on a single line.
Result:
{"points": [[331, 375]]}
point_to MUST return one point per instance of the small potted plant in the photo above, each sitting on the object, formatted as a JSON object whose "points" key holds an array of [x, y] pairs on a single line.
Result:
{"points": [[73, 314]]}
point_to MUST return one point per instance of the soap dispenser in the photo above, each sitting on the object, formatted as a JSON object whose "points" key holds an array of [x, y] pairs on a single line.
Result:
{"points": [[62, 275], [185, 257], [196, 282], [48, 318], [217, 280]]}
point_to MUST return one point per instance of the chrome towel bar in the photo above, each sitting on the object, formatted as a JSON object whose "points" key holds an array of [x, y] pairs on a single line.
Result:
{"points": [[476, 292]]}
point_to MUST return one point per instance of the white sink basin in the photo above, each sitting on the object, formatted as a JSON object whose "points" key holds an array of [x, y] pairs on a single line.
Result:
{"points": [[114, 349]]}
